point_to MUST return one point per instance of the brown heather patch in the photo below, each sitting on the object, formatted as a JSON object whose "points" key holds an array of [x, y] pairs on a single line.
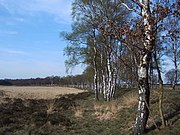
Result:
{"points": [[2, 96]]}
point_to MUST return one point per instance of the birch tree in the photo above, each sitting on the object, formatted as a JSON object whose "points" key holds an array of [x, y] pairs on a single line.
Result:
{"points": [[102, 38], [144, 9], [101, 49], [144, 92], [144, 59]]}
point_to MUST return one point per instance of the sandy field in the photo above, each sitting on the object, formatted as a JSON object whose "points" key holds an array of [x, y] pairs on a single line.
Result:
{"points": [[34, 92]]}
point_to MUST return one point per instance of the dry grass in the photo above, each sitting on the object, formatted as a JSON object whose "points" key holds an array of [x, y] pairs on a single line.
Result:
{"points": [[106, 111], [78, 112], [51, 106], [130, 100], [25, 92], [109, 110]]}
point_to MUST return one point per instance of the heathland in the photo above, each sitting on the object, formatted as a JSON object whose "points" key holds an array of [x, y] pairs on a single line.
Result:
{"points": [[70, 111]]}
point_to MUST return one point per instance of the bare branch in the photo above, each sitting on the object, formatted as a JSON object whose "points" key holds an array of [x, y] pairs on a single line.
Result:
{"points": [[131, 9], [127, 6]]}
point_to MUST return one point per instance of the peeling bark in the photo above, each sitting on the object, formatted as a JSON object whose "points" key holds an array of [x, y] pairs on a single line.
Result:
{"points": [[143, 84], [144, 94]]}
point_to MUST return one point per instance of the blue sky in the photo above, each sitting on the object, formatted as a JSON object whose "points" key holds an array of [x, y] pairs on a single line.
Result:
{"points": [[30, 45]]}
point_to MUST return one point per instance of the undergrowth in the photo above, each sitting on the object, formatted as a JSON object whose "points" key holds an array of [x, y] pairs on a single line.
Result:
{"points": [[81, 115]]}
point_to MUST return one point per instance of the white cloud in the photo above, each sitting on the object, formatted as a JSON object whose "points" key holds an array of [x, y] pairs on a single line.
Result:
{"points": [[11, 21], [18, 19], [15, 52], [8, 32], [11, 52], [60, 9]]}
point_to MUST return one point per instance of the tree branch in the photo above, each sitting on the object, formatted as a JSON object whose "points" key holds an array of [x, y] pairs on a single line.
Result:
{"points": [[131, 9]]}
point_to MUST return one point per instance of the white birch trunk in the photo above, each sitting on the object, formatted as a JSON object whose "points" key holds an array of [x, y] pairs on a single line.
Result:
{"points": [[144, 92], [95, 77], [104, 86], [114, 82], [109, 79], [103, 73]]}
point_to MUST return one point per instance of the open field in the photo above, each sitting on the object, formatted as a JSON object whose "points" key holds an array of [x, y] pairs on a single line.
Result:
{"points": [[80, 114], [30, 92]]}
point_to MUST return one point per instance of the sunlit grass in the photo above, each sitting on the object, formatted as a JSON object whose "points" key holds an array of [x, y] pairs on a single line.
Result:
{"points": [[35, 92]]}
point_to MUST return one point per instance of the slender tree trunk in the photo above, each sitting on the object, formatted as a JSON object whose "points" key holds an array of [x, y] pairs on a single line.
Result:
{"points": [[103, 83], [175, 77], [161, 94], [109, 88], [144, 91], [109, 69], [161, 102], [151, 73], [95, 78], [175, 64], [114, 82], [161, 90], [95, 68]]}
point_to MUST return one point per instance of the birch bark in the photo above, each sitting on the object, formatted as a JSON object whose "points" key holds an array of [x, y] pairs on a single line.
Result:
{"points": [[95, 67], [109, 88], [144, 91]]}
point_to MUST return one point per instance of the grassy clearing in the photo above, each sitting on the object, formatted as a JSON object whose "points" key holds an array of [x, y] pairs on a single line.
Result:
{"points": [[80, 114], [29, 92]]}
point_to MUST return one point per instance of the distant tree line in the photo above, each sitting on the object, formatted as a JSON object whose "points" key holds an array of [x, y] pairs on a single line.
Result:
{"points": [[69, 81], [31, 82], [83, 81]]}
